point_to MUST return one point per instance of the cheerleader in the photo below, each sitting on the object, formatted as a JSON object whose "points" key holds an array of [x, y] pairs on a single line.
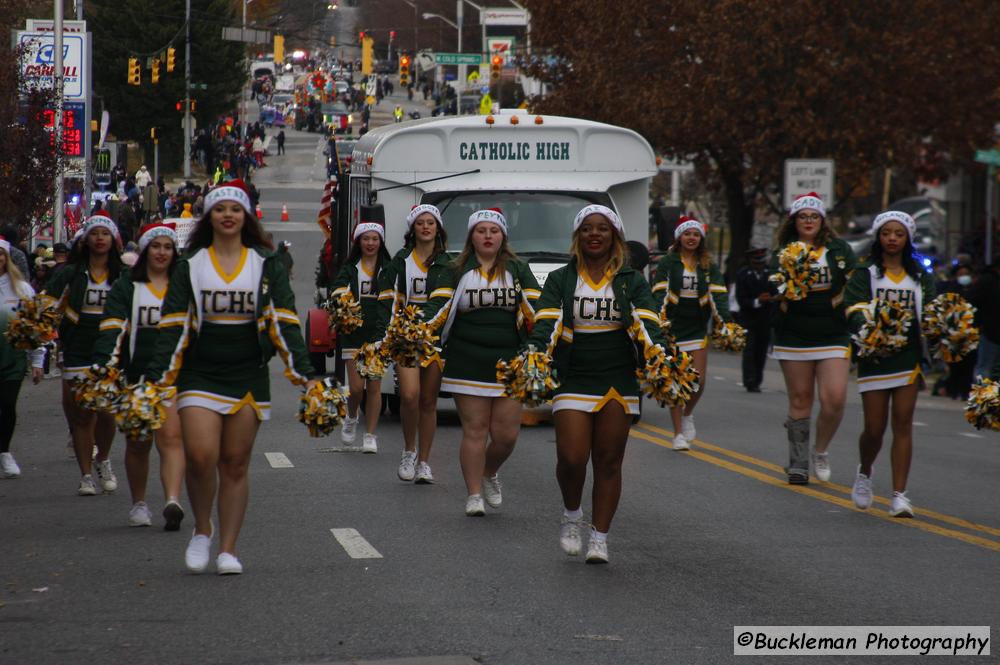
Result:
{"points": [[589, 317], [889, 385], [127, 338], [81, 288], [690, 289], [359, 277], [483, 303], [13, 362], [404, 282], [811, 340], [228, 309]]}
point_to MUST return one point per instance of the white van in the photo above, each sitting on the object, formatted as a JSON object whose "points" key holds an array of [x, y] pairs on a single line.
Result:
{"points": [[540, 170]]}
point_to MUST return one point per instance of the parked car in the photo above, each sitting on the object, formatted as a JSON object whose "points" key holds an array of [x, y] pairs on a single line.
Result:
{"points": [[470, 106]]}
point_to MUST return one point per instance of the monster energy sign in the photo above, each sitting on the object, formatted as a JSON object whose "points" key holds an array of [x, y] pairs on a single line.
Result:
{"points": [[102, 166], [522, 151]]}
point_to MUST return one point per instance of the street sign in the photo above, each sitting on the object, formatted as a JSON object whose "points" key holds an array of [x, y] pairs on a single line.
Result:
{"points": [[991, 157], [458, 58], [248, 35], [809, 175], [503, 16], [425, 61], [38, 64]]}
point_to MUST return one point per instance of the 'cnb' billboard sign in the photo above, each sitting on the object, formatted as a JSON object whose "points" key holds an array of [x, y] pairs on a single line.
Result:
{"points": [[39, 64]]}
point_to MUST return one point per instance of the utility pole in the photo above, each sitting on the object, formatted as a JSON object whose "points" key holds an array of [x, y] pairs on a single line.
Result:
{"points": [[57, 125], [187, 90], [461, 68]]}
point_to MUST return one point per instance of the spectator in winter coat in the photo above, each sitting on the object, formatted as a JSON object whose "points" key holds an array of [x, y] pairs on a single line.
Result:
{"points": [[142, 177], [12, 235], [985, 296]]}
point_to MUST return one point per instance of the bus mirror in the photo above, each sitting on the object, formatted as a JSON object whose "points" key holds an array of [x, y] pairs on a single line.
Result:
{"points": [[638, 254]]}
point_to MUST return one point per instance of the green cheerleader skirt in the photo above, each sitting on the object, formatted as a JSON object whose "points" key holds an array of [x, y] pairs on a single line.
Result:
{"points": [[601, 369], [687, 326], [476, 341], [898, 370], [350, 343], [78, 349], [811, 330]]}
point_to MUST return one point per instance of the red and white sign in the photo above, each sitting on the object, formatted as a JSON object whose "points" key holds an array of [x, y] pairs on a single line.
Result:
{"points": [[504, 16]]}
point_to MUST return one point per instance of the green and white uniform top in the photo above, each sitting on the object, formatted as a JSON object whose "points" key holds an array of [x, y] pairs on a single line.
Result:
{"points": [[903, 367], [13, 362], [81, 297], [594, 332], [403, 282], [363, 285], [218, 330], [481, 319], [129, 327], [815, 328], [687, 295]]}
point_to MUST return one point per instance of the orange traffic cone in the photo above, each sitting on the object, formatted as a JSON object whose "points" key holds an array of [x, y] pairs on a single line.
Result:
{"points": [[260, 213], [284, 212]]}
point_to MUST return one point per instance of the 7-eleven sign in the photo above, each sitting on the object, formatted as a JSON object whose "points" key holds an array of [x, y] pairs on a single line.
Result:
{"points": [[502, 46]]}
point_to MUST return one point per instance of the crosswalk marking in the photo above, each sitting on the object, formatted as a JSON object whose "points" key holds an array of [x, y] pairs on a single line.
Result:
{"points": [[279, 461], [354, 544]]}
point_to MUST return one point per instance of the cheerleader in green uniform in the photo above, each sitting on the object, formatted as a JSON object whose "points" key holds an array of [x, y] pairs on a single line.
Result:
{"points": [[13, 362], [128, 334], [483, 304], [359, 277], [590, 316], [690, 288], [82, 287], [229, 308], [811, 340], [891, 384], [404, 282]]}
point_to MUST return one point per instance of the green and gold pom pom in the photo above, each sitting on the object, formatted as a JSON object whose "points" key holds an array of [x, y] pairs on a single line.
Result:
{"points": [[323, 407], [885, 331], [728, 336], [983, 407], [101, 389], [669, 379], [798, 269], [371, 361], [144, 410], [408, 340], [948, 326], [529, 377], [666, 329], [345, 313], [34, 324]]}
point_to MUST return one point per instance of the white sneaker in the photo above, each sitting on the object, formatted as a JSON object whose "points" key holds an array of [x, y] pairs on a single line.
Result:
{"points": [[87, 486], [140, 515], [109, 482], [491, 491], [369, 444], [407, 465], [227, 564], [821, 466], [900, 506], [687, 427], [569, 535], [862, 490], [474, 506], [597, 551], [8, 466], [349, 430], [198, 552], [424, 475], [681, 442]]}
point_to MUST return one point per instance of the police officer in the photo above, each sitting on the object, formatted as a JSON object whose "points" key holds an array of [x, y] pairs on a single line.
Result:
{"points": [[753, 295]]}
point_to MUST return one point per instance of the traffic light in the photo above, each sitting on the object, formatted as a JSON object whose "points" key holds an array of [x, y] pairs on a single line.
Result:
{"points": [[154, 75], [179, 106], [404, 70], [496, 64], [170, 59], [153, 134], [392, 34], [361, 37], [194, 105], [134, 75], [367, 55]]}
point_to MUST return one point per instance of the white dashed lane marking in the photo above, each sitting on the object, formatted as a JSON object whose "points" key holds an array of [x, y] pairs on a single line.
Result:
{"points": [[354, 544], [971, 435], [278, 461], [919, 424]]}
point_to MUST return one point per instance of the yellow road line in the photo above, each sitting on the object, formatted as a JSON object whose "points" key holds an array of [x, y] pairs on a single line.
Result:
{"points": [[824, 496], [843, 489]]}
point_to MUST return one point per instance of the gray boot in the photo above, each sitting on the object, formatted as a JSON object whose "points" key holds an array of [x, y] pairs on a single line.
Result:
{"points": [[798, 451]]}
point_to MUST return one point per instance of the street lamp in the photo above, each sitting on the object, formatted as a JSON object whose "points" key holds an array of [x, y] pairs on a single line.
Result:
{"points": [[416, 30], [428, 15]]}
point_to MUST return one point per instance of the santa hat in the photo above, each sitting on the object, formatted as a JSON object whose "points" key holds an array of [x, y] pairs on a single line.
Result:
{"points": [[686, 223], [416, 211], [895, 216], [100, 219], [596, 209], [365, 227], [234, 190], [4, 245], [810, 201], [151, 231], [492, 215]]}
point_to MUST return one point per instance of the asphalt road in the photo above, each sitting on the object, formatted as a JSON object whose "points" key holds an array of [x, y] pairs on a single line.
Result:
{"points": [[703, 541]]}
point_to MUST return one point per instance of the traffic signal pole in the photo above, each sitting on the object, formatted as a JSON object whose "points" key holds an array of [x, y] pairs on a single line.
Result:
{"points": [[57, 83], [461, 68], [187, 90]]}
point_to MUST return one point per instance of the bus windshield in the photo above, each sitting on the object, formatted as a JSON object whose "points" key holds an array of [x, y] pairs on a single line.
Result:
{"points": [[539, 222]]}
